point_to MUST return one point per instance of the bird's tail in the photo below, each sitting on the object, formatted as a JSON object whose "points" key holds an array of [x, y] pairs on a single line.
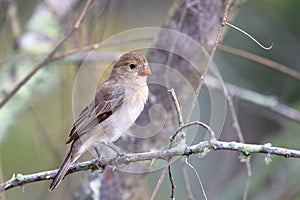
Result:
{"points": [[62, 171]]}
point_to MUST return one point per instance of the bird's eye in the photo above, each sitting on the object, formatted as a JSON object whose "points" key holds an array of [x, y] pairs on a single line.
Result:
{"points": [[132, 66]]}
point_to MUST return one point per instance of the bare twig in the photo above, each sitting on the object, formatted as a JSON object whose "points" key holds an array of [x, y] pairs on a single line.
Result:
{"points": [[198, 177], [160, 180], [261, 60], [47, 59], [181, 139], [178, 109], [96, 46], [235, 120], [84, 12], [237, 127], [180, 122], [212, 133], [187, 181], [248, 35], [172, 182], [179, 130], [181, 127], [234, 114], [247, 186], [19, 179], [211, 55]]}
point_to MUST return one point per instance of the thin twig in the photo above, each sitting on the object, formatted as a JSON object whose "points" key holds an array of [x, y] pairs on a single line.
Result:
{"points": [[181, 127], [212, 133], [247, 34], [237, 127], [232, 108], [187, 181], [263, 100], [234, 116], [104, 13], [46, 60], [207, 66], [261, 60], [181, 139], [96, 46], [33, 71], [212, 138], [178, 109], [247, 186], [238, 130], [172, 182], [19, 179], [198, 177], [160, 180], [84, 12], [180, 122]]}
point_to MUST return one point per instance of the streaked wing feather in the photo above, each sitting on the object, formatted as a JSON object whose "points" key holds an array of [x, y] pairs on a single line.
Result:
{"points": [[106, 101]]}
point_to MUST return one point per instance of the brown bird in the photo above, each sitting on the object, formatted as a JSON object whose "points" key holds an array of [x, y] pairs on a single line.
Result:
{"points": [[115, 107]]}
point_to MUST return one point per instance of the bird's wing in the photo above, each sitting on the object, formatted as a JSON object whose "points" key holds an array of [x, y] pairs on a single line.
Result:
{"points": [[107, 100]]}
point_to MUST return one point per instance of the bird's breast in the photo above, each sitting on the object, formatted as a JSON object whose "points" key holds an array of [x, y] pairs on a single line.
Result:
{"points": [[133, 105], [124, 117]]}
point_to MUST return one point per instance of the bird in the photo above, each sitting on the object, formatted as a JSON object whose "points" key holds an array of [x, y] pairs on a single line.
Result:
{"points": [[116, 105]]}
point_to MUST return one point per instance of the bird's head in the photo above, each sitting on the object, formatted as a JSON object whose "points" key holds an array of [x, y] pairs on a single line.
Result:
{"points": [[131, 66]]}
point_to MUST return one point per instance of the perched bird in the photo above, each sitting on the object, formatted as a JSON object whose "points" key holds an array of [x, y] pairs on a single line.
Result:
{"points": [[115, 107]]}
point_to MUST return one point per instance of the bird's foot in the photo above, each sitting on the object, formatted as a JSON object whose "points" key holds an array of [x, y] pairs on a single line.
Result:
{"points": [[100, 166], [99, 163]]}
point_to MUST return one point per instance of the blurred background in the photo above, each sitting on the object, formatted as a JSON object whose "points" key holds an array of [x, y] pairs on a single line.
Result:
{"points": [[35, 123]]}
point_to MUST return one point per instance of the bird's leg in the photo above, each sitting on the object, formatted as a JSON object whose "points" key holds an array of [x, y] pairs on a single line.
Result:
{"points": [[99, 165], [97, 153]]}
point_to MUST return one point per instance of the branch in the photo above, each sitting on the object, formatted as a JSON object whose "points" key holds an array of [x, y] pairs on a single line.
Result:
{"points": [[47, 59], [207, 66], [160, 180], [247, 149], [94, 46], [266, 101], [248, 35], [237, 127], [261, 60], [198, 177], [212, 133]]}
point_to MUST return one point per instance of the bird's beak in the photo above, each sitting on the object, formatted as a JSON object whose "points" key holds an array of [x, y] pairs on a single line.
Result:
{"points": [[145, 70]]}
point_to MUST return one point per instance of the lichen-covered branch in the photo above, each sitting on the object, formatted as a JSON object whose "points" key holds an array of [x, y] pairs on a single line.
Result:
{"points": [[246, 149], [265, 101]]}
